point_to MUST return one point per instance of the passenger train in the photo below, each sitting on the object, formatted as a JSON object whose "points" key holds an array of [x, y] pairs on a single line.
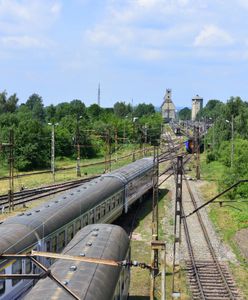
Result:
{"points": [[89, 281], [51, 226]]}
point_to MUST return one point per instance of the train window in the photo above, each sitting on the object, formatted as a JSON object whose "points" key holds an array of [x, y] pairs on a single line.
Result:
{"points": [[16, 269], [92, 217], [78, 225], [2, 283], [54, 244], [28, 266], [69, 233], [61, 241], [113, 203], [48, 244], [108, 205], [86, 222], [98, 213], [103, 209]]}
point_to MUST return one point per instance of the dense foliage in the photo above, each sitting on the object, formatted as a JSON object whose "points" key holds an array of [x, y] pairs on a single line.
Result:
{"points": [[220, 117], [184, 114], [91, 127]]}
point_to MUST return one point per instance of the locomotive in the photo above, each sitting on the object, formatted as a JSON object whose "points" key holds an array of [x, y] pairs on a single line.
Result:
{"points": [[51, 226], [190, 144], [90, 281]]}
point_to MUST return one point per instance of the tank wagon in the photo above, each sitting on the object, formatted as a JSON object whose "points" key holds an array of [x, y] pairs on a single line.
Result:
{"points": [[51, 226], [89, 281]]}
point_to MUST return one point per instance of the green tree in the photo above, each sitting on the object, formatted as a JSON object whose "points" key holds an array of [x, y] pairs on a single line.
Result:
{"points": [[3, 100], [78, 108], [212, 110], [143, 110], [32, 145], [8, 104], [50, 112], [35, 104], [121, 109], [95, 111], [184, 114]]}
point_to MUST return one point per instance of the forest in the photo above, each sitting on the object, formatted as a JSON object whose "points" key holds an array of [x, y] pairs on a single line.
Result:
{"points": [[228, 128], [74, 123]]}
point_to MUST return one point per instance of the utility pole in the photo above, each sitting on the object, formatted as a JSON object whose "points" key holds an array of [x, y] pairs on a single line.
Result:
{"points": [[107, 152], [10, 145], [134, 131], [11, 170], [197, 150], [99, 95], [145, 139], [232, 141], [78, 149], [53, 153], [154, 254], [53, 149], [156, 245], [116, 143], [232, 152], [176, 291]]}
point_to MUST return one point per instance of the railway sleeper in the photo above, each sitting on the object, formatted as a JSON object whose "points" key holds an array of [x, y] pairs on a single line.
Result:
{"points": [[213, 296], [219, 285]]}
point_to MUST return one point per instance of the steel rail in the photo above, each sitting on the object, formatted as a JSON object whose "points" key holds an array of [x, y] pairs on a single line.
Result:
{"points": [[45, 193], [211, 249], [191, 254]]}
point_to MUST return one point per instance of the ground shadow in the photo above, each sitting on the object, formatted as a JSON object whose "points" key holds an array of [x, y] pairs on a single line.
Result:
{"points": [[138, 211]]}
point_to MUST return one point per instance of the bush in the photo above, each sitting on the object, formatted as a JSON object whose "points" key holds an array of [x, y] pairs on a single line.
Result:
{"points": [[211, 156]]}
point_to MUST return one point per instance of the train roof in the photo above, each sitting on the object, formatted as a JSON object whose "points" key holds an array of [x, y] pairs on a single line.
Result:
{"points": [[132, 170], [87, 280], [55, 213], [40, 221]]}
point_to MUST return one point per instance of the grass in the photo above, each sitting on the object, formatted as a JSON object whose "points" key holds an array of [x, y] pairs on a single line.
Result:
{"points": [[212, 171], [228, 220]]}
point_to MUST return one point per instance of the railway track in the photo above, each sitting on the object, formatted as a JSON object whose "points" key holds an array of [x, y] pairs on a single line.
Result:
{"points": [[208, 276], [26, 196]]}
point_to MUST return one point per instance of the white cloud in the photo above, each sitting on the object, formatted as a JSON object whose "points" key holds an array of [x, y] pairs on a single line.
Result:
{"points": [[26, 24], [213, 36], [173, 28], [22, 42]]}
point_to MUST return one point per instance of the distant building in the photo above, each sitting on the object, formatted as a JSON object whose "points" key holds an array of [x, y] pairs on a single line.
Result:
{"points": [[197, 104], [168, 108]]}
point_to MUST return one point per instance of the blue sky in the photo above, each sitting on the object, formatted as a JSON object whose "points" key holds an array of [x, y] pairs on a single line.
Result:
{"points": [[135, 48]]}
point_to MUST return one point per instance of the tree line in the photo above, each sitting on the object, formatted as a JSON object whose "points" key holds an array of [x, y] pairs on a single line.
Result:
{"points": [[221, 117], [90, 127]]}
